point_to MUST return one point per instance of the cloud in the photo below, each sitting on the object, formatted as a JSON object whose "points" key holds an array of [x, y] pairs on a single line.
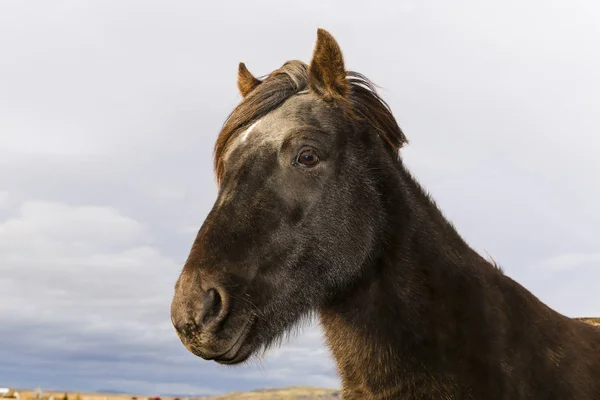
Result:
{"points": [[4, 199], [571, 261], [77, 226], [84, 266], [76, 276]]}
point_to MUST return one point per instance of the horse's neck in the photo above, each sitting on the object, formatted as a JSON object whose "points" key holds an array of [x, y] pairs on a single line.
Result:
{"points": [[413, 310], [389, 334]]}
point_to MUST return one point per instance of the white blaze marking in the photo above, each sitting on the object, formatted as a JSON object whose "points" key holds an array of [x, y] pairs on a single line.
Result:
{"points": [[240, 140], [247, 131]]}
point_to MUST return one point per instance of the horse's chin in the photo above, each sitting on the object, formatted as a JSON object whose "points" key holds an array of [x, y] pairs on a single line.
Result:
{"points": [[239, 357], [235, 348], [241, 349], [255, 341]]}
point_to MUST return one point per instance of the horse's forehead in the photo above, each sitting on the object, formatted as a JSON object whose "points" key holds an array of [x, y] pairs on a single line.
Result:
{"points": [[273, 128], [297, 110]]}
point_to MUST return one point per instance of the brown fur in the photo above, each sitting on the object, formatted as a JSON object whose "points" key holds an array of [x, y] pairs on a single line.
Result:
{"points": [[246, 81], [327, 73]]}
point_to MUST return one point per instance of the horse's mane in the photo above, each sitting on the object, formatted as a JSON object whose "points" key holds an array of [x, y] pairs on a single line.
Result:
{"points": [[364, 103]]}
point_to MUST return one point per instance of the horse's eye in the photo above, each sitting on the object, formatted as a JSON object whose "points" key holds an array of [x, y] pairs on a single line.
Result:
{"points": [[307, 158]]}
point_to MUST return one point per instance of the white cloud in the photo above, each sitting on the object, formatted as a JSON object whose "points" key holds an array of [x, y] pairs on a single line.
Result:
{"points": [[167, 194], [83, 266], [4, 199], [79, 227], [571, 261]]}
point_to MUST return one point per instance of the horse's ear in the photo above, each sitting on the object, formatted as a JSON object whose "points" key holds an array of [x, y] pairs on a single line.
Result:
{"points": [[327, 72], [246, 81]]}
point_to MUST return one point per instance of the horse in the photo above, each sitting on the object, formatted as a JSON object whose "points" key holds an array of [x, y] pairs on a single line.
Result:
{"points": [[317, 216]]}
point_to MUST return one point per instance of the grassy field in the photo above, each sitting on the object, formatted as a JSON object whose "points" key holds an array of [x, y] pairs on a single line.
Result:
{"points": [[289, 393], [591, 321], [29, 394]]}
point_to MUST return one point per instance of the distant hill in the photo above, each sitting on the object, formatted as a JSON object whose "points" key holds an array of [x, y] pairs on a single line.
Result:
{"points": [[591, 321], [110, 391], [288, 393]]}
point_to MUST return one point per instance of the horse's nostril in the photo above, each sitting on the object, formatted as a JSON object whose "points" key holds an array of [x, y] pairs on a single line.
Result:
{"points": [[210, 309], [198, 312]]}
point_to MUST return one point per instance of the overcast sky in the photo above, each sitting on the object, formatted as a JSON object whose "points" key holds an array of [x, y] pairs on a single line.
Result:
{"points": [[108, 115]]}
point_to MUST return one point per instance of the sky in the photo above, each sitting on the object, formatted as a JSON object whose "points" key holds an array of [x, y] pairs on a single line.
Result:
{"points": [[109, 110]]}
